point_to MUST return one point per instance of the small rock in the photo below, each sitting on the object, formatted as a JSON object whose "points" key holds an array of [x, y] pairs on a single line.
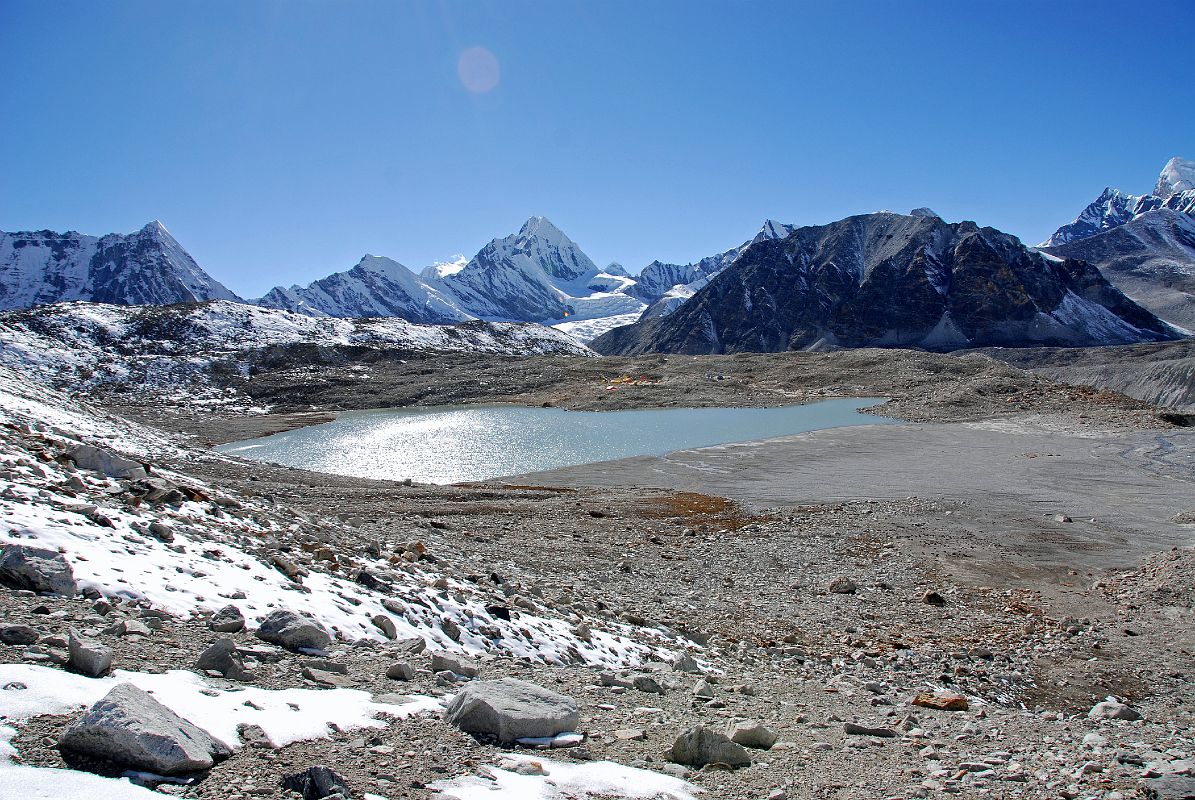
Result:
{"points": [[317, 783], [683, 662], [227, 620], [89, 657], [630, 734], [699, 747], [647, 683], [842, 586], [161, 531], [703, 690], [458, 665], [222, 657], [750, 733], [385, 625], [400, 671], [852, 729], [942, 701], [932, 598]]}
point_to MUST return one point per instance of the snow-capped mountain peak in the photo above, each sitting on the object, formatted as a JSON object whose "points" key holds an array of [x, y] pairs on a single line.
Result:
{"points": [[1175, 190], [145, 267], [1177, 176], [771, 229]]}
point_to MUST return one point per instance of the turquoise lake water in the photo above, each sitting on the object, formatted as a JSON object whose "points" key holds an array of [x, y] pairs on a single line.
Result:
{"points": [[474, 443]]}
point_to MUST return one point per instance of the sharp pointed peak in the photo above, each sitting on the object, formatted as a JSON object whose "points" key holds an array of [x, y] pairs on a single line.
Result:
{"points": [[539, 226]]}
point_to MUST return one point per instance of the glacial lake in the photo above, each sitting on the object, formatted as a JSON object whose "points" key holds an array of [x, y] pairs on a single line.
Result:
{"points": [[474, 443]]}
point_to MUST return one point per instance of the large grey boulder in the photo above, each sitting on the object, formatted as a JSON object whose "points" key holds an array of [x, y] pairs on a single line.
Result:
{"points": [[293, 631], [511, 709], [88, 657], [130, 728], [98, 459], [698, 747], [35, 568]]}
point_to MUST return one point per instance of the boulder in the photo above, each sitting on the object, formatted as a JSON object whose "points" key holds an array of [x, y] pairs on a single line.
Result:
{"points": [[98, 459], [699, 747], [293, 631], [400, 671], [1169, 787], [227, 620], [458, 665], [511, 709], [942, 701], [37, 569], [18, 634], [222, 657], [750, 733], [88, 657], [842, 586], [1112, 709], [130, 728], [317, 783], [386, 625]]}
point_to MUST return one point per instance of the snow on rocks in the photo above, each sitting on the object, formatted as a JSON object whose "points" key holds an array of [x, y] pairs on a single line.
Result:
{"points": [[519, 777], [284, 715], [223, 550], [510, 709], [130, 728]]}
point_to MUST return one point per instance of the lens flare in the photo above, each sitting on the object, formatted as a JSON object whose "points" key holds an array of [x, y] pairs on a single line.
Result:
{"points": [[478, 70]]}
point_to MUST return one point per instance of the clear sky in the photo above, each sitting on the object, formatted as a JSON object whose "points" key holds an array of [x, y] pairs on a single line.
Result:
{"points": [[280, 141]]}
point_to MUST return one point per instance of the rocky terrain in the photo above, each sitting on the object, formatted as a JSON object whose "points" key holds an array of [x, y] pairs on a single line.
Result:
{"points": [[700, 646]]}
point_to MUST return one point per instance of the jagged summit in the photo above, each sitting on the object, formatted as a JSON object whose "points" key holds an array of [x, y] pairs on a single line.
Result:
{"points": [[148, 267], [1174, 190], [1177, 176], [924, 212]]}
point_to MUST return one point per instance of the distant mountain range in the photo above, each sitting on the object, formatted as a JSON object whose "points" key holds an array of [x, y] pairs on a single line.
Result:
{"points": [[1144, 243], [893, 280]]}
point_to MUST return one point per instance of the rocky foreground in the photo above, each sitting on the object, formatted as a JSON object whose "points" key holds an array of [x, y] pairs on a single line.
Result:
{"points": [[211, 628]]}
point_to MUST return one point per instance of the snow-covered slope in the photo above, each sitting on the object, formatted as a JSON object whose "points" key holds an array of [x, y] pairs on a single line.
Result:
{"points": [[183, 350], [537, 275], [375, 287], [1175, 190], [1151, 258], [146, 267], [1177, 176]]}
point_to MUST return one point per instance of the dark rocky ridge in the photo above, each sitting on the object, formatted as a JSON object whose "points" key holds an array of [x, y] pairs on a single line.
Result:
{"points": [[888, 280]]}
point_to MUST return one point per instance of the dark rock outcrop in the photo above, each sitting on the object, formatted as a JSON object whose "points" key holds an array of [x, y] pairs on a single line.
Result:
{"points": [[889, 280]]}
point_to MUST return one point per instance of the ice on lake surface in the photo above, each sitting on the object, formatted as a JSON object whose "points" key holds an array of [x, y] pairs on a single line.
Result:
{"points": [[475, 443]]}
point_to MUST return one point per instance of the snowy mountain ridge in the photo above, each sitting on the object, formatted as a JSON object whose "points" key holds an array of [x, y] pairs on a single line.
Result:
{"points": [[142, 268], [375, 287], [1175, 190]]}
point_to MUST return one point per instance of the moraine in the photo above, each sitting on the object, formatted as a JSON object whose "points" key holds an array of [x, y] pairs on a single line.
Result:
{"points": [[460, 444]]}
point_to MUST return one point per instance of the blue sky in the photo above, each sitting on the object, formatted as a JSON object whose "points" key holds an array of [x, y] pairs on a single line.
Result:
{"points": [[280, 141]]}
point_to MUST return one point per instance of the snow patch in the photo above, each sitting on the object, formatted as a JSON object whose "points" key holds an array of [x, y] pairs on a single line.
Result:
{"points": [[598, 779]]}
